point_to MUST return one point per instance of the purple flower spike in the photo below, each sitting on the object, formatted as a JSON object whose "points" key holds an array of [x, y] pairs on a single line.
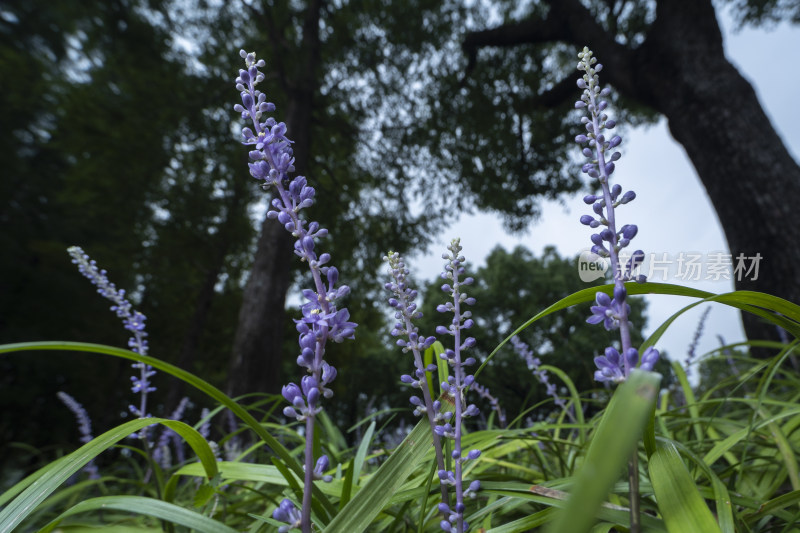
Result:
{"points": [[597, 147], [402, 300], [272, 162], [533, 363], [459, 381], [132, 320], [84, 427]]}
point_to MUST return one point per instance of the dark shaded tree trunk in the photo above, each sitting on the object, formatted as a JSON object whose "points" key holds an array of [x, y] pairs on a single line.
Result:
{"points": [[257, 358], [681, 71], [752, 180], [255, 365]]}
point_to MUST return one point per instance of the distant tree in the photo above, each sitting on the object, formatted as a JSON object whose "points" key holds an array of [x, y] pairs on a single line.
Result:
{"points": [[110, 142]]}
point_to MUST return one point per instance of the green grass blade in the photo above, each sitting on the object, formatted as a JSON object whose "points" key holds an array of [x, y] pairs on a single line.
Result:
{"points": [[756, 303], [57, 472], [612, 446], [145, 506], [196, 382], [679, 502], [381, 486], [361, 454]]}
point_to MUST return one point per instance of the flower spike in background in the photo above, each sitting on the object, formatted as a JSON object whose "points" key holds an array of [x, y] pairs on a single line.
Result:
{"points": [[402, 300], [132, 320]]}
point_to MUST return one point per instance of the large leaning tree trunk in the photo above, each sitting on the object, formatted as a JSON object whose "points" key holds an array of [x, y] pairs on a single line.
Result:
{"points": [[681, 71], [256, 359]]}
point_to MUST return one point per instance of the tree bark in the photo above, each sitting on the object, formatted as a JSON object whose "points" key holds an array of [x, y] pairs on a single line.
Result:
{"points": [[257, 356], [713, 112]]}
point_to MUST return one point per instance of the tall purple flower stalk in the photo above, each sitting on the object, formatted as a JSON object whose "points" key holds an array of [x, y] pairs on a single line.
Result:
{"points": [[457, 384], [403, 301], [613, 313], [132, 320], [272, 161], [84, 427]]}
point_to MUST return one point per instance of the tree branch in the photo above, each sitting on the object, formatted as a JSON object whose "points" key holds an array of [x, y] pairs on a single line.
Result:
{"points": [[567, 21]]}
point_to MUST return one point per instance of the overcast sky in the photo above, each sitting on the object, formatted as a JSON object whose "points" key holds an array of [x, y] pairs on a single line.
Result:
{"points": [[672, 209]]}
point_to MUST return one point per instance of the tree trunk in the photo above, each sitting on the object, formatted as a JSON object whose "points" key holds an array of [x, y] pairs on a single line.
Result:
{"points": [[256, 362], [752, 180], [257, 358]]}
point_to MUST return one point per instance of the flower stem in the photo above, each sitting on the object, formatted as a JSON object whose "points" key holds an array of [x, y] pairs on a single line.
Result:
{"points": [[633, 480], [308, 482]]}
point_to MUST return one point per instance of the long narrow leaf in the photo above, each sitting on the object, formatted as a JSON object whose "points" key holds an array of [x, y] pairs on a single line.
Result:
{"points": [[679, 502], [612, 445], [57, 472], [198, 383], [145, 506]]}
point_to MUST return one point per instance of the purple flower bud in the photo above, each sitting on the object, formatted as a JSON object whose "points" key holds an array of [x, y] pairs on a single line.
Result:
{"points": [[620, 293], [629, 231], [631, 357], [313, 397], [649, 359], [290, 392], [612, 355], [586, 220]]}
